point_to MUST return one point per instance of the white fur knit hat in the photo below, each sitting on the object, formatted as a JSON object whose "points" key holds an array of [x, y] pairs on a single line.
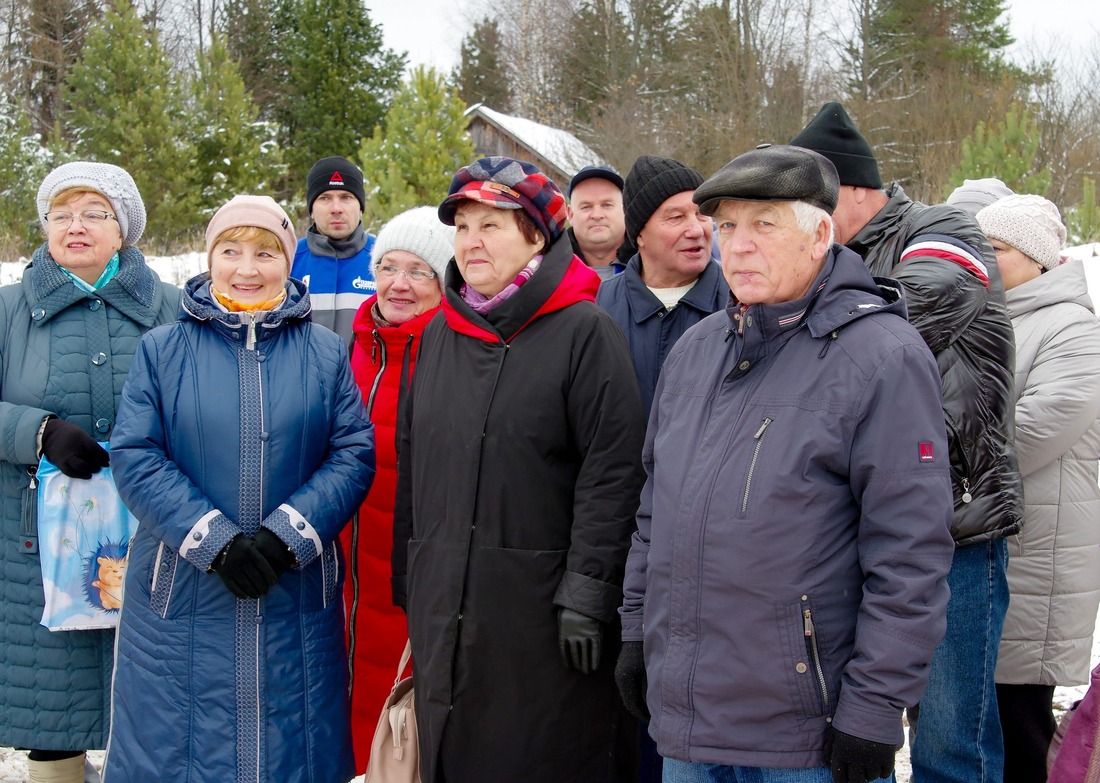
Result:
{"points": [[1031, 224], [976, 194], [106, 178], [420, 232]]}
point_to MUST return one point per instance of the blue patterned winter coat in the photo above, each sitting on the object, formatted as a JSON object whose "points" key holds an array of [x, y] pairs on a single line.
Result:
{"points": [[66, 352], [228, 425]]}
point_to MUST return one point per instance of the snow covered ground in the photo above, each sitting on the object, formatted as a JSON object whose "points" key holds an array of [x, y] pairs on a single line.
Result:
{"points": [[177, 269]]}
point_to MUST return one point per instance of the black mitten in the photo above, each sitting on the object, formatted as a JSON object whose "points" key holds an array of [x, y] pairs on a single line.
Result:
{"points": [[74, 451], [579, 637], [631, 679], [242, 567], [275, 550], [856, 760]]}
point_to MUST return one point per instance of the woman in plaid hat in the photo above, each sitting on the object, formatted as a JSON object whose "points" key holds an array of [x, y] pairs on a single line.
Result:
{"points": [[519, 478]]}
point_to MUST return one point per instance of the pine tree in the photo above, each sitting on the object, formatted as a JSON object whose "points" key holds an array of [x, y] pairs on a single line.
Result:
{"points": [[1007, 151], [234, 151], [340, 80], [482, 74], [23, 164], [124, 107], [1083, 220], [411, 160], [254, 40]]}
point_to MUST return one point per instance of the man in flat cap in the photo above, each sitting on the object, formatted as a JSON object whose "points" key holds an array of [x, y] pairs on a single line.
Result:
{"points": [[786, 586], [955, 298]]}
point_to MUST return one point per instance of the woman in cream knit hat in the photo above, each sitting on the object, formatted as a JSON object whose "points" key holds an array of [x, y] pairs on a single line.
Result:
{"points": [[1054, 561]]}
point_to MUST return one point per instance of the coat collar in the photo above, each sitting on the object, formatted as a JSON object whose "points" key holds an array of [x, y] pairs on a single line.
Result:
{"points": [[644, 305], [198, 305], [561, 280], [132, 291]]}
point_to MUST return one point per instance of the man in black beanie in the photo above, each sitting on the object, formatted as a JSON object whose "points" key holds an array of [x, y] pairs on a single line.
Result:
{"points": [[672, 282], [334, 257], [955, 298]]}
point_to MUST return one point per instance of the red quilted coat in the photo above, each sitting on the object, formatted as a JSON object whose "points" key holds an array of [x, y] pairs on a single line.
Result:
{"points": [[382, 358]]}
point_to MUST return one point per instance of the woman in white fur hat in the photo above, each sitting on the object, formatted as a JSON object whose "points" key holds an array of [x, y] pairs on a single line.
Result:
{"points": [[67, 335], [409, 259], [1054, 562]]}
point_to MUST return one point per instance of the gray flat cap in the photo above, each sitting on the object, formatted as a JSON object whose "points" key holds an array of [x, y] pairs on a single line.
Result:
{"points": [[778, 172]]}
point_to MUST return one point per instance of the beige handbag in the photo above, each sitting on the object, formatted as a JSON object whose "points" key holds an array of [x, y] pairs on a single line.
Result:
{"points": [[394, 754]]}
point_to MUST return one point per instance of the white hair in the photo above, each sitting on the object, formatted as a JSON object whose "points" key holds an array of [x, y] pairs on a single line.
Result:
{"points": [[807, 217]]}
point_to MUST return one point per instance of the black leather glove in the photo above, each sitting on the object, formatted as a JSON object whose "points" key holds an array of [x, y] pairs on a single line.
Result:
{"points": [[74, 451], [274, 550], [242, 567], [631, 679], [855, 760], [579, 638]]}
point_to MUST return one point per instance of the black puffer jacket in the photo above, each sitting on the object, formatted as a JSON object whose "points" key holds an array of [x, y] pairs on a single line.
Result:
{"points": [[956, 301]]}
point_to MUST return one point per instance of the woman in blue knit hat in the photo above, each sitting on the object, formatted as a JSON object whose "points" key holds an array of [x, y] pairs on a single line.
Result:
{"points": [[520, 469]]}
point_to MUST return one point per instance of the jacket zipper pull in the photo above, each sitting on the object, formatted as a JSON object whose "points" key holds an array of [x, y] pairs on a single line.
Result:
{"points": [[966, 496], [763, 426], [32, 470], [741, 319], [374, 350], [807, 623], [250, 340]]}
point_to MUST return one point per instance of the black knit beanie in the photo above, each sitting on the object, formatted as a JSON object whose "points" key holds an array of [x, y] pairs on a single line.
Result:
{"points": [[833, 134], [334, 173], [651, 181]]}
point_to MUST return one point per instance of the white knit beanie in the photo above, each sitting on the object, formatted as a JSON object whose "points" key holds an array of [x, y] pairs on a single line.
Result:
{"points": [[975, 194], [1031, 224], [106, 178], [420, 232]]}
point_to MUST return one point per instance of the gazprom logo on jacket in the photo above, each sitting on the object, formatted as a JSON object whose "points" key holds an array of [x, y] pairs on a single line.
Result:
{"points": [[363, 285]]}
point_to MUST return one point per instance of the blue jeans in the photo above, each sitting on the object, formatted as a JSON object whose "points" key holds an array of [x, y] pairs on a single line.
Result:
{"points": [[683, 772], [958, 738]]}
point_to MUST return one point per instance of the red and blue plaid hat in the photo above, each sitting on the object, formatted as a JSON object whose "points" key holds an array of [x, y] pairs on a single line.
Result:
{"points": [[507, 183]]}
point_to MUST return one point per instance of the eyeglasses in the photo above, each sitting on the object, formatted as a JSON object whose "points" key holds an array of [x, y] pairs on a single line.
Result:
{"points": [[88, 218], [412, 275]]}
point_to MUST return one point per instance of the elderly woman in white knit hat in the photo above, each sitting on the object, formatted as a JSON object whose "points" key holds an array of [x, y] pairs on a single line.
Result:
{"points": [[409, 259], [243, 449], [1054, 562], [67, 334]]}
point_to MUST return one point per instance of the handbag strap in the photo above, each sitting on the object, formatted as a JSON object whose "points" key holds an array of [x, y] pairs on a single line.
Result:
{"points": [[406, 657]]}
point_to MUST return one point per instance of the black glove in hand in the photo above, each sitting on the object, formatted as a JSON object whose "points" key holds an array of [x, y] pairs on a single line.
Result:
{"points": [[855, 760], [74, 451], [245, 571], [631, 679], [579, 638], [274, 550]]}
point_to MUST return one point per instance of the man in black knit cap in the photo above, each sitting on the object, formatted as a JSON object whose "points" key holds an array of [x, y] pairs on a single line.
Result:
{"points": [[334, 257], [672, 282], [955, 299]]}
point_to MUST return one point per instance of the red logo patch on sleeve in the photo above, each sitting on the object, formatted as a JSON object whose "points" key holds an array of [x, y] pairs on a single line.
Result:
{"points": [[927, 453]]}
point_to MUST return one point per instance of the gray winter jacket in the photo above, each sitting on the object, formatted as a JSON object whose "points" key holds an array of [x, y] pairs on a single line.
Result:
{"points": [[65, 352], [789, 568], [1054, 561]]}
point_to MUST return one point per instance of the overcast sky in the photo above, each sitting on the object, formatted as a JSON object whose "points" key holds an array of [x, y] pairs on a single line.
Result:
{"points": [[431, 31]]}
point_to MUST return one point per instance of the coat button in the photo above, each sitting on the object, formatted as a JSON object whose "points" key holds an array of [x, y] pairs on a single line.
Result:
{"points": [[197, 536], [260, 357], [748, 320], [743, 365], [38, 314], [264, 436], [661, 313], [800, 667], [94, 304], [102, 425], [301, 526], [99, 358]]}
